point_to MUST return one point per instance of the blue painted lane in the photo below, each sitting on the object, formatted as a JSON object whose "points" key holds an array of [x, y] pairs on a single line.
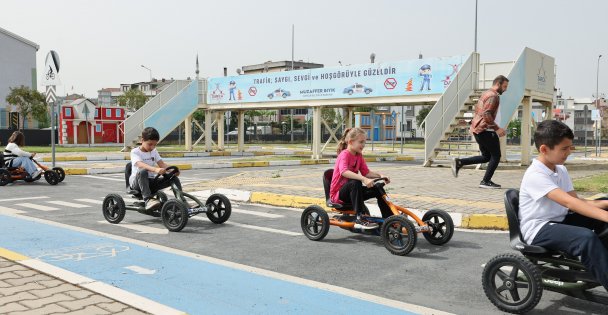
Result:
{"points": [[185, 283]]}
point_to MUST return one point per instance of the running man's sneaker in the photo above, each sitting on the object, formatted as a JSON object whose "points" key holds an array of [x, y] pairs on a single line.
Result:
{"points": [[152, 204], [456, 166], [365, 225], [488, 184]]}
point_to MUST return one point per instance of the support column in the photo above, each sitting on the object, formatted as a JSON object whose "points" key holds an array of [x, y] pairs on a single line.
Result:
{"points": [[349, 117], [316, 133], [208, 132], [188, 132], [220, 130], [76, 132], [92, 133], [526, 130], [242, 131], [503, 147]]}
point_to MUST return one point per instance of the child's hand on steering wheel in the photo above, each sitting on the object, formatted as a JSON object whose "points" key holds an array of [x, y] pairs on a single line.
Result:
{"points": [[160, 171], [386, 179], [368, 182]]}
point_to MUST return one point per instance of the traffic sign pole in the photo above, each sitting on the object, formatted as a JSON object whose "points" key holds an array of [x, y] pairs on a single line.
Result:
{"points": [[50, 98], [50, 80]]}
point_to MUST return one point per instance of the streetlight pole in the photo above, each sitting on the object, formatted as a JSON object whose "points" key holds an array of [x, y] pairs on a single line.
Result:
{"points": [[292, 49], [476, 25], [597, 96], [148, 70]]}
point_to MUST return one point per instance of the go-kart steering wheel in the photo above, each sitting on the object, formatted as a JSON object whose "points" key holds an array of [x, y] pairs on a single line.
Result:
{"points": [[170, 172], [380, 181]]}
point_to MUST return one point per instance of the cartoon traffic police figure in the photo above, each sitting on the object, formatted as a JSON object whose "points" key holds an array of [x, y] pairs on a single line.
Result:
{"points": [[425, 73], [232, 88]]}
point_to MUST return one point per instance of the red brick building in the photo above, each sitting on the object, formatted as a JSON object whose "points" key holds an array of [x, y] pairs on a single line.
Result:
{"points": [[104, 123]]}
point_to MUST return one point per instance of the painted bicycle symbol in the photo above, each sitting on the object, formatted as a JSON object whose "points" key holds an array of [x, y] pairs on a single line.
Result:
{"points": [[79, 254]]}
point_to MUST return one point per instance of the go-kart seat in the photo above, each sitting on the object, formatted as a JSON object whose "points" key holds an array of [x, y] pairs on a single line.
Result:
{"points": [[326, 183], [517, 243], [130, 191]]}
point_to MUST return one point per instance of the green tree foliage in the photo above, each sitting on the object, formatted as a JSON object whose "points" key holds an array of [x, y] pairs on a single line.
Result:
{"points": [[514, 128], [422, 115], [30, 104], [133, 99]]}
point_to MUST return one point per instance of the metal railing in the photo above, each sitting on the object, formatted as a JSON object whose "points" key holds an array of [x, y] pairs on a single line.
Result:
{"points": [[448, 106]]}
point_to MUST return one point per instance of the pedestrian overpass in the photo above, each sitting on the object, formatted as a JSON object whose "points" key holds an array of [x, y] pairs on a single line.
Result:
{"points": [[451, 84]]}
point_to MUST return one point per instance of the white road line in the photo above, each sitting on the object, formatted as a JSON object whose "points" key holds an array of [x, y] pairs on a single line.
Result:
{"points": [[68, 204], [5, 210], [255, 227], [260, 214], [36, 207], [139, 228], [97, 202], [25, 198], [104, 177]]}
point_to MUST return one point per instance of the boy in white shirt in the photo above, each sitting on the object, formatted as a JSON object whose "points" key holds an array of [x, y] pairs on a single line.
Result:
{"points": [[143, 162], [550, 212]]}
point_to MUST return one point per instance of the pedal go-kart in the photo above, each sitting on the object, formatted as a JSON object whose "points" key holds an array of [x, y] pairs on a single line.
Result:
{"points": [[515, 283], [9, 174], [174, 212], [398, 233]]}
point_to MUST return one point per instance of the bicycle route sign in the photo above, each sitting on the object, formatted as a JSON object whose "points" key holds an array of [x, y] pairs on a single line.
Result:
{"points": [[50, 75]]}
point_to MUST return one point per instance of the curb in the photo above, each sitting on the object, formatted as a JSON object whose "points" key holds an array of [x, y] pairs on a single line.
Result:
{"points": [[112, 292]]}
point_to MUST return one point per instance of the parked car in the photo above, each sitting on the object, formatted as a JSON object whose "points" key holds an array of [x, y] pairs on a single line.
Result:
{"points": [[357, 88], [236, 132], [279, 92]]}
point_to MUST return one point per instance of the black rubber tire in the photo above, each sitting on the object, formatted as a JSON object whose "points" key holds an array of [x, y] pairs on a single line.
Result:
{"points": [[441, 224], [219, 208], [5, 177], [513, 302], [315, 223], [51, 177], [394, 238], [113, 208], [60, 172], [175, 215], [162, 197]]}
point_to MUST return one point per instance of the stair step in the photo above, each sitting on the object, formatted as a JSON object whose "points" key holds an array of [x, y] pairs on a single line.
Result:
{"points": [[455, 150], [452, 142]]}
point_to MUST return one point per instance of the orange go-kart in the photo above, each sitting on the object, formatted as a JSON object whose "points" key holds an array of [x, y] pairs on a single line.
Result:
{"points": [[399, 234], [9, 174]]}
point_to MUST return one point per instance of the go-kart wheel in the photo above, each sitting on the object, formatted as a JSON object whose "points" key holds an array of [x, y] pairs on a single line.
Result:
{"points": [[60, 173], [219, 208], [512, 283], [113, 208], [441, 224], [51, 177], [399, 235], [162, 197], [175, 215], [314, 223], [5, 177]]}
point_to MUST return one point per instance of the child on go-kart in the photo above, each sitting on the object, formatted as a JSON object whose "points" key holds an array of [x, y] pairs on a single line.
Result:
{"points": [[551, 214], [143, 162], [352, 181], [15, 157]]}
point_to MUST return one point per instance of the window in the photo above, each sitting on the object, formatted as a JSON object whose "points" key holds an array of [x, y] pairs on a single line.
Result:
{"points": [[117, 112], [96, 112], [408, 126], [108, 112], [68, 112], [98, 128]]}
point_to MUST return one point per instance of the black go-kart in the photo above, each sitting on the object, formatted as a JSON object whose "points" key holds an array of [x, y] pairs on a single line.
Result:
{"points": [[9, 174], [174, 212], [515, 283]]}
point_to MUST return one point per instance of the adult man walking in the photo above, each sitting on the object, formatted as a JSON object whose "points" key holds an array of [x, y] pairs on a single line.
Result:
{"points": [[486, 132]]}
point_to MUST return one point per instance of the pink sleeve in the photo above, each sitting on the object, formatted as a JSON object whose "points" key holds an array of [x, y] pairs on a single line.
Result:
{"points": [[363, 169], [342, 163]]}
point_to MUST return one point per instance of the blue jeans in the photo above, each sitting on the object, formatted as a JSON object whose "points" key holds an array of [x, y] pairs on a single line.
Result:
{"points": [[26, 163]]}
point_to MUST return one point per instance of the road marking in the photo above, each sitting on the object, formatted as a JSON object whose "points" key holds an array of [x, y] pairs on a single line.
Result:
{"points": [[68, 204], [36, 207], [97, 202], [104, 177], [141, 270], [5, 210], [260, 214], [26, 198], [255, 227], [139, 228]]}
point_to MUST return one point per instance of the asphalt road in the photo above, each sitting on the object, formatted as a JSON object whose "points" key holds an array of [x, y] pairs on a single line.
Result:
{"points": [[446, 278]]}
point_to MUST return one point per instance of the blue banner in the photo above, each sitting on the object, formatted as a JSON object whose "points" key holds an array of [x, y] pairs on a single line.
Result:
{"points": [[413, 77]]}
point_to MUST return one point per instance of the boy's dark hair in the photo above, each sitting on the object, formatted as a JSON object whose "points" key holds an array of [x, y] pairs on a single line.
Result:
{"points": [[150, 133], [551, 133], [17, 138], [500, 79]]}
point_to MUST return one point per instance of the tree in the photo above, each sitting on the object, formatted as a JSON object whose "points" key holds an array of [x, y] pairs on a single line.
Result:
{"points": [[514, 128], [422, 115], [30, 103], [133, 99]]}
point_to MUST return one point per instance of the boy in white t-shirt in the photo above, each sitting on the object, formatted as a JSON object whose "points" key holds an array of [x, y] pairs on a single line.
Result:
{"points": [[550, 212], [143, 162]]}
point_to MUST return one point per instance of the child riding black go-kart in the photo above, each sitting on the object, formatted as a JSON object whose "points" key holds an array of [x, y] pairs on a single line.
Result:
{"points": [[9, 174], [174, 212]]}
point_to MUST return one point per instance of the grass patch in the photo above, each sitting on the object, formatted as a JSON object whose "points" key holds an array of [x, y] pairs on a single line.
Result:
{"points": [[596, 184]]}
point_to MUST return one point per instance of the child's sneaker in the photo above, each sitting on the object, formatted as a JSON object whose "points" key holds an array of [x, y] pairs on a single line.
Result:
{"points": [[152, 204], [36, 174], [365, 225]]}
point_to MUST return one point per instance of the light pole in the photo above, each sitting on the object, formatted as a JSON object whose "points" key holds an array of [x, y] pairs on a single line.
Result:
{"points": [[585, 126], [148, 70], [476, 25], [597, 96]]}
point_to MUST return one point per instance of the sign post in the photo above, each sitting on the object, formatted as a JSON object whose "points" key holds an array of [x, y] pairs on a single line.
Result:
{"points": [[50, 80], [371, 121], [595, 116], [394, 117]]}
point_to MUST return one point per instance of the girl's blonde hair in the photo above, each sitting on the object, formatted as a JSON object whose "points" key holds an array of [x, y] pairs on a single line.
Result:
{"points": [[349, 134]]}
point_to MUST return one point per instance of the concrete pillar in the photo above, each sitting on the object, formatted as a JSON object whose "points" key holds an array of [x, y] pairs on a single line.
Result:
{"points": [[242, 131], [526, 130], [349, 117], [92, 133], [220, 130], [208, 131], [316, 133], [503, 147], [188, 132], [75, 132]]}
